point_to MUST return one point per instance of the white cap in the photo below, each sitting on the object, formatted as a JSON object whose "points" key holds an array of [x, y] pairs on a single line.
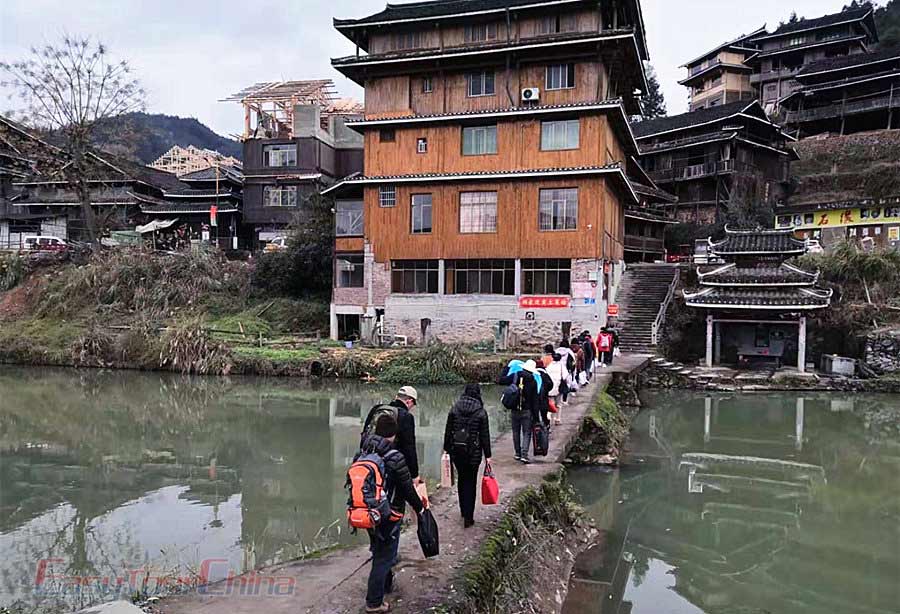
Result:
{"points": [[530, 366], [409, 391]]}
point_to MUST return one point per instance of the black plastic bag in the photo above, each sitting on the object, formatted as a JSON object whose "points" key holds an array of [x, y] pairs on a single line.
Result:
{"points": [[428, 534], [541, 440]]}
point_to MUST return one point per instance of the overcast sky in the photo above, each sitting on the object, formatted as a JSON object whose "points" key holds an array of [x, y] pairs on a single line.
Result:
{"points": [[189, 54]]}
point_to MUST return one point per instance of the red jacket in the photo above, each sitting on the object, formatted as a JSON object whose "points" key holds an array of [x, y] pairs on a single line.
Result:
{"points": [[605, 342]]}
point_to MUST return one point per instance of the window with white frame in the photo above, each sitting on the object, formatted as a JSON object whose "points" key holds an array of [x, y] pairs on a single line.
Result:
{"points": [[280, 155], [479, 140], [422, 145], [477, 212], [796, 40], [560, 76], [280, 196], [546, 276], [558, 135], [387, 196], [481, 32], [348, 218], [427, 85], [349, 270], [480, 83], [421, 213], [558, 209]]}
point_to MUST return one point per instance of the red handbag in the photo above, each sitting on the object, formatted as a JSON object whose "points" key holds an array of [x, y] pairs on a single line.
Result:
{"points": [[553, 408], [490, 490]]}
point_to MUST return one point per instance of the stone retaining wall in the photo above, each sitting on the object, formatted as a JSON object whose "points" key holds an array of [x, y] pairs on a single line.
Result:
{"points": [[883, 352]]}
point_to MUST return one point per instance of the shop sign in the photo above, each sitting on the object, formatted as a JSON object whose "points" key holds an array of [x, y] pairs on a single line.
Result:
{"points": [[544, 302], [612, 311], [839, 217], [894, 233]]}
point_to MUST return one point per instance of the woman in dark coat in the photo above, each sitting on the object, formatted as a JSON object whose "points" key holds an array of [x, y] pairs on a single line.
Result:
{"points": [[466, 437]]}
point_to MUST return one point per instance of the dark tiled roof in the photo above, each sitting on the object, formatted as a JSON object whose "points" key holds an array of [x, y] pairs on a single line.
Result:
{"points": [[782, 299], [821, 22], [432, 8], [761, 242], [849, 61], [757, 276], [191, 193], [649, 127], [654, 194], [188, 207], [209, 174]]}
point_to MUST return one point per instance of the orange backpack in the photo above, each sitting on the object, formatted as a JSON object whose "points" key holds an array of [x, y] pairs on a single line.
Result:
{"points": [[368, 505]]}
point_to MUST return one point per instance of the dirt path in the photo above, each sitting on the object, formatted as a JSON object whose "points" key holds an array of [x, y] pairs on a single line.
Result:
{"points": [[336, 583]]}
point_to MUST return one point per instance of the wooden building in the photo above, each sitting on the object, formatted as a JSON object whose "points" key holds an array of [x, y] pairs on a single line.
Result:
{"points": [[494, 185], [843, 95], [792, 47], [183, 160], [712, 158], [295, 145], [756, 303], [721, 76]]}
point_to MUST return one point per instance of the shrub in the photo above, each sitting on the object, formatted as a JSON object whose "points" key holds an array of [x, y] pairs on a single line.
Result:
{"points": [[188, 348], [439, 363], [12, 271], [94, 348]]}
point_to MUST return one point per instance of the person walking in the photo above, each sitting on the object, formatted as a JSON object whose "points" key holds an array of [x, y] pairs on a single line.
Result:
{"points": [[523, 416], [555, 370], [467, 437], [401, 408], [605, 344], [590, 354], [384, 540], [544, 396]]}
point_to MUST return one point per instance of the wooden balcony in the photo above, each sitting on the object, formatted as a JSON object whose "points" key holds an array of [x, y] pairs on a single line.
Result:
{"points": [[697, 171], [783, 73], [841, 110], [635, 243]]}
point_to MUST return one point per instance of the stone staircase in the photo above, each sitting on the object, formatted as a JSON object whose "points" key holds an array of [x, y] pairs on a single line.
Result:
{"points": [[643, 290]]}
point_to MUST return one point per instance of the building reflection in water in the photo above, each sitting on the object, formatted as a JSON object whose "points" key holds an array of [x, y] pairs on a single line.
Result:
{"points": [[747, 503], [113, 471]]}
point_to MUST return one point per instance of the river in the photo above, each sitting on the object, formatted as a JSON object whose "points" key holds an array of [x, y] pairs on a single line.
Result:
{"points": [[120, 474], [757, 503]]}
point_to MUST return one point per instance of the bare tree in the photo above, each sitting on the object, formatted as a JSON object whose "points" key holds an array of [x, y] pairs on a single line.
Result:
{"points": [[69, 88]]}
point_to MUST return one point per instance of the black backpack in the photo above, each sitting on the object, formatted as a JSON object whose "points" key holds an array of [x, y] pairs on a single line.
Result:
{"points": [[512, 394], [376, 413], [461, 432], [570, 362]]}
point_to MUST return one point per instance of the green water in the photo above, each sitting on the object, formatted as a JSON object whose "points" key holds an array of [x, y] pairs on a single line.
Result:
{"points": [[763, 504], [115, 471]]}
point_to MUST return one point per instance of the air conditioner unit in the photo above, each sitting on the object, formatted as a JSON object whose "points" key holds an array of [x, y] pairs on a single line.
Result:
{"points": [[531, 94]]}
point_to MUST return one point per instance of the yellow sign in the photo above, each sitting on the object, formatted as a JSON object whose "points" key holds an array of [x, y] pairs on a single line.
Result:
{"points": [[838, 217], [894, 233]]}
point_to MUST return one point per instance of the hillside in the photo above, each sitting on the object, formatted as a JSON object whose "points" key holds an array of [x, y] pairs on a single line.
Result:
{"points": [[838, 168], [144, 136]]}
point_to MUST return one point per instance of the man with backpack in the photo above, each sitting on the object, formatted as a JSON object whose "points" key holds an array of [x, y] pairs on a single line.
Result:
{"points": [[401, 410], [380, 487], [466, 437]]}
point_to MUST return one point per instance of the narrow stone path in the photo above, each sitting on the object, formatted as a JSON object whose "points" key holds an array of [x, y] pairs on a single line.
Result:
{"points": [[336, 583]]}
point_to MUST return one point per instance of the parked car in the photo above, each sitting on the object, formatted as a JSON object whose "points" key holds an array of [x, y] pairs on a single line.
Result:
{"points": [[44, 244], [276, 244]]}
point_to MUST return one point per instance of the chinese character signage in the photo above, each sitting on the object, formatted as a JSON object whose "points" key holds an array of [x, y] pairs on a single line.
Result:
{"points": [[839, 217], [544, 302], [612, 311]]}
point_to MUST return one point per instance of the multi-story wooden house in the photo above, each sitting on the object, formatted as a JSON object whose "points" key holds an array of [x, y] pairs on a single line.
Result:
{"points": [[793, 46], [295, 144], [715, 157], [494, 186], [720, 75], [847, 94]]}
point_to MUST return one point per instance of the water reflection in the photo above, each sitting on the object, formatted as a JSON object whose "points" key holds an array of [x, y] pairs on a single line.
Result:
{"points": [[766, 503], [112, 471]]}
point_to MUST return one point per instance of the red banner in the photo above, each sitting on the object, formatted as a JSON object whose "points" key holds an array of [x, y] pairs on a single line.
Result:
{"points": [[544, 302], [213, 215], [612, 311]]}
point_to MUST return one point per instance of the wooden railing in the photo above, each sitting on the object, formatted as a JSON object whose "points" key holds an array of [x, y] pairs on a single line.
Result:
{"points": [[663, 309], [840, 110], [644, 244], [694, 171]]}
